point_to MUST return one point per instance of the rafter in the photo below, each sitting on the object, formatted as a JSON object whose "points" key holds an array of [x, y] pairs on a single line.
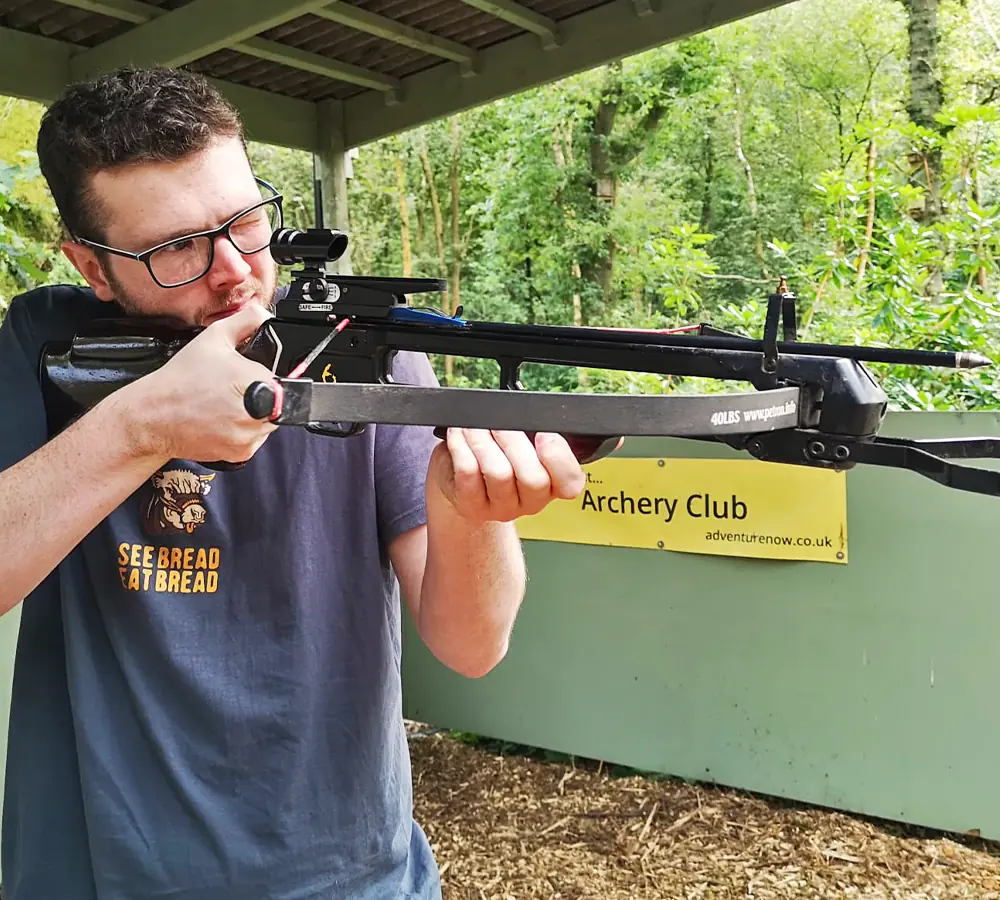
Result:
{"points": [[138, 13], [37, 68], [127, 10], [188, 33], [391, 30], [317, 64], [510, 11], [32, 67], [354, 17]]}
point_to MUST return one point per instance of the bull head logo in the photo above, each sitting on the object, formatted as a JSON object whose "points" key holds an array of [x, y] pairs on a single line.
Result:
{"points": [[178, 502]]}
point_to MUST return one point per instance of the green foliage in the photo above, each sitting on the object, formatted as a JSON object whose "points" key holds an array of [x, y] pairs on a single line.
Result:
{"points": [[290, 171], [29, 224], [21, 254], [879, 290], [681, 184]]}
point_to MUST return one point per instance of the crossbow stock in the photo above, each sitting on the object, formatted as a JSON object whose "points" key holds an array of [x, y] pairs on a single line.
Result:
{"points": [[333, 339]]}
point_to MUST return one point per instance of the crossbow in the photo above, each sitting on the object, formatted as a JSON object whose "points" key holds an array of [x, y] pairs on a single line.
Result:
{"points": [[333, 339]]}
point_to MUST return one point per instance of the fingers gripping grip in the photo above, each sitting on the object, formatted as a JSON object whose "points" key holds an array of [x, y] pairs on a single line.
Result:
{"points": [[587, 448], [264, 401]]}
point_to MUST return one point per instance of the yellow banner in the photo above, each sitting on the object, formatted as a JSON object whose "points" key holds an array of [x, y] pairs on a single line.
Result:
{"points": [[717, 506]]}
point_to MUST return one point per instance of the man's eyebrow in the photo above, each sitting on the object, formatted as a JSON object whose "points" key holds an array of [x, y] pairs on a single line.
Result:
{"points": [[147, 243]]}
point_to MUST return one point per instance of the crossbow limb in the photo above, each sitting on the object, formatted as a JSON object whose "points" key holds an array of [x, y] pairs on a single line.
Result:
{"points": [[333, 340]]}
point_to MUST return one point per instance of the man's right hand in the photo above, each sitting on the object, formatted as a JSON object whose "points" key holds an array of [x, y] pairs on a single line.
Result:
{"points": [[192, 407]]}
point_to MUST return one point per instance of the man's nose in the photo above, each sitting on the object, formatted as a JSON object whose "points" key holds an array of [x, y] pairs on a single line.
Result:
{"points": [[229, 268]]}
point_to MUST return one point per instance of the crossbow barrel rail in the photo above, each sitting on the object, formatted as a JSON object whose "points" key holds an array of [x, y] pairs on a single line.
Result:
{"points": [[867, 687]]}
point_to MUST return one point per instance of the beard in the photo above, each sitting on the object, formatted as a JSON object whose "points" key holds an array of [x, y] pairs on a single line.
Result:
{"points": [[253, 289]]}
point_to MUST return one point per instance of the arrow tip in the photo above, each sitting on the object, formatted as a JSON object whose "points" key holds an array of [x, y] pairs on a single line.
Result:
{"points": [[971, 360]]}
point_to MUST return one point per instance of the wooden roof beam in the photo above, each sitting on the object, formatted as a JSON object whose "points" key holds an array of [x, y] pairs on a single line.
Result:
{"points": [[139, 13], [391, 30], [33, 67], [319, 65], [187, 33], [126, 10], [37, 68], [516, 14]]}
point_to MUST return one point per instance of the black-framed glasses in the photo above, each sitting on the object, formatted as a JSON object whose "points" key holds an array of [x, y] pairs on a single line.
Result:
{"points": [[185, 259]]}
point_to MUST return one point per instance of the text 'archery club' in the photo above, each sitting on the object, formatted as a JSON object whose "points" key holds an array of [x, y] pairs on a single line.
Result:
{"points": [[698, 506]]}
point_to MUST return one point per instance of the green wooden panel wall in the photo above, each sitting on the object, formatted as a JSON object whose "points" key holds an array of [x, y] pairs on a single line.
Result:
{"points": [[867, 687]]}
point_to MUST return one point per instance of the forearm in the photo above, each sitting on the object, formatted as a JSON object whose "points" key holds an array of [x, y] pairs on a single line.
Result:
{"points": [[472, 587], [190, 408], [53, 498]]}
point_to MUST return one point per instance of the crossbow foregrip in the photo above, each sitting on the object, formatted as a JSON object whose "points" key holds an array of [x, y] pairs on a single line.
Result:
{"points": [[264, 401]]}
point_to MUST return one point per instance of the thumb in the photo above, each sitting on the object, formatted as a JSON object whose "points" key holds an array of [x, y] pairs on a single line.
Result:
{"points": [[241, 326]]}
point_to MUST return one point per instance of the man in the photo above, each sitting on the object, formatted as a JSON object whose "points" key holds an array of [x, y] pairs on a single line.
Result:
{"points": [[207, 689]]}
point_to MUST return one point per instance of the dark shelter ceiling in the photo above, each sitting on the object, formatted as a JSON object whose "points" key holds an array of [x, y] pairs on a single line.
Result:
{"points": [[361, 70]]}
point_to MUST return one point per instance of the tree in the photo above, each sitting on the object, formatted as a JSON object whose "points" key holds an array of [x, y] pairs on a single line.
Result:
{"points": [[926, 101]]}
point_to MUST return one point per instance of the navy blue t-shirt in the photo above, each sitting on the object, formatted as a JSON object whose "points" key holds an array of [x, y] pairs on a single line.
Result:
{"points": [[206, 700]]}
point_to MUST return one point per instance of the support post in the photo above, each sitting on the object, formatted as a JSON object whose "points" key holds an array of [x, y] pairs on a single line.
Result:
{"points": [[331, 170]]}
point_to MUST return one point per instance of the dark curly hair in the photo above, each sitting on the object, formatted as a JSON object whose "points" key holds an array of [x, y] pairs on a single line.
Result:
{"points": [[129, 115]]}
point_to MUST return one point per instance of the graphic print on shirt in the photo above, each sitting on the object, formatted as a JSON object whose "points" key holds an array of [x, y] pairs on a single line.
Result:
{"points": [[178, 501], [177, 507]]}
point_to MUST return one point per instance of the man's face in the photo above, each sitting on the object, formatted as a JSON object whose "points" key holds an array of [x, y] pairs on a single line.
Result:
{"points": [[148, 203]]}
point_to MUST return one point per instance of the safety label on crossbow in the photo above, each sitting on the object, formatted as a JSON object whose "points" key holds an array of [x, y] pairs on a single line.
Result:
{"points": [[722, 507]]}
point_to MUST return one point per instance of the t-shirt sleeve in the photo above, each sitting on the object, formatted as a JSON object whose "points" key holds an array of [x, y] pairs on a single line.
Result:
{"points": [[402, 453], [23, 428]]}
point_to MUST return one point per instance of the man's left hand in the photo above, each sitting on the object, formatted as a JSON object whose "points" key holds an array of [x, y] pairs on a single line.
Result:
{"points": [[499, 476]]}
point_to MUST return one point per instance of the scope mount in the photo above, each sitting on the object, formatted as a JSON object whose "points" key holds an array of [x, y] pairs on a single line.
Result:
{"points": [[316, 294]]}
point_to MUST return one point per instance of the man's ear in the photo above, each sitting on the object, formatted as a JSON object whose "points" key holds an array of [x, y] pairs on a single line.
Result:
{"points": [[89, 266]]}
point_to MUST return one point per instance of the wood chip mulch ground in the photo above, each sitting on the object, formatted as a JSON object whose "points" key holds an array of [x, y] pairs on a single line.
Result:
{"points": [[510, 826]]}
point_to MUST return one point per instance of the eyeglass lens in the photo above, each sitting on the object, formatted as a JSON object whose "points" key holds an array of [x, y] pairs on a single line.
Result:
{"points": [[189, 258]]}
